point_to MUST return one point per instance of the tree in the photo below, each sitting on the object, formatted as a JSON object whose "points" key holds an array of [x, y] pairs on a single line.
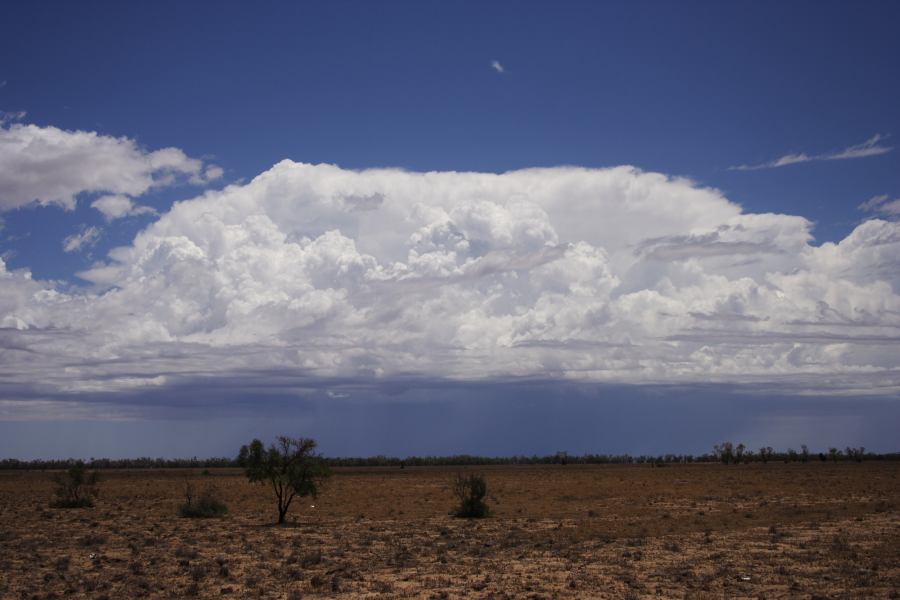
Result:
{"points": [[856, 454], [76, 488], [834, 453], [290, 466], [724, 452], [765, 453]]}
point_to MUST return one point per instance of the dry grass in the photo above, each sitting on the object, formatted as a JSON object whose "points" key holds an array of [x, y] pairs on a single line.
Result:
{"points": [[695, 531]]}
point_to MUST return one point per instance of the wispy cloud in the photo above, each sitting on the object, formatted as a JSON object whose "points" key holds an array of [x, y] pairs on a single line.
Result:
{"points": [[85, 238], [881, 204], [495, 65], [871, 147], [9, 117]]}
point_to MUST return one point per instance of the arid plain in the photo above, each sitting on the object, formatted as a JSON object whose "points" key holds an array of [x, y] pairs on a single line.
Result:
{"points": [[615, 531]]}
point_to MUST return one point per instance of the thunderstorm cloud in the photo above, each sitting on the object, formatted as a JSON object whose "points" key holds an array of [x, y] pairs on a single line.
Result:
{"points": [[329, 276]]}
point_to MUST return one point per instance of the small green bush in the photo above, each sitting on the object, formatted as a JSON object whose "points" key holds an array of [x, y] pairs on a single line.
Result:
{"points": [[204, 505], [75, 488], [470, 490]]}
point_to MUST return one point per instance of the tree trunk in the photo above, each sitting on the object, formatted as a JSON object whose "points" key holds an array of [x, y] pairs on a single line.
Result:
{"points": [[284, 504]]}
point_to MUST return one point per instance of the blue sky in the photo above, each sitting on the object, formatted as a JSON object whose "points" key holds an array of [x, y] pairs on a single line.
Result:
{"points": [[687, 90]]}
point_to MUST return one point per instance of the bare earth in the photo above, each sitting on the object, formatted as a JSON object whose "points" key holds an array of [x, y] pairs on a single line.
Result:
{"points": [[688, 531]]}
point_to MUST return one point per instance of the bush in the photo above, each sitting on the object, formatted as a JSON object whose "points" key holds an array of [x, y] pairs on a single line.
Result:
{"points": [[470, 490], [205, 505], [76, 488]]}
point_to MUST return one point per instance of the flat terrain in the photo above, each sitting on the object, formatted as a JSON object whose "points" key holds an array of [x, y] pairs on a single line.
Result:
{"points": [[684, 531]]}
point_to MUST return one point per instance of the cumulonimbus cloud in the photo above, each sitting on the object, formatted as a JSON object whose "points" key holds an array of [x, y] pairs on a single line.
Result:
{"points": [[52, 166], [604, 275]]}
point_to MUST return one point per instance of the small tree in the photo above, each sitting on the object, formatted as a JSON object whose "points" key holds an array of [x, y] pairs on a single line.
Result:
{"points": [[724, 452], [856, 454], [290, 466], [834, 453], [765, 453], [470, 490], [76, 488]]}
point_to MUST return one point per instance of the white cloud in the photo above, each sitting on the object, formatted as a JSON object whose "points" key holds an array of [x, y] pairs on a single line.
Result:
{"points": [[881, 204], [47, 165], [85, 238], [212, 173], [116, 206], [495, 65], [871, 147], [609, 275]]}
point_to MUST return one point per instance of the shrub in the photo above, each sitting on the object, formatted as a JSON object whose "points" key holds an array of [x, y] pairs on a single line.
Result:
{"points": [[76, 488], [204, 505], [470, 490]]}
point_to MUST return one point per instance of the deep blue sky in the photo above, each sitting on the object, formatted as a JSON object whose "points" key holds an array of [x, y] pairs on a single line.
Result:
{"points": [[682, 88]]}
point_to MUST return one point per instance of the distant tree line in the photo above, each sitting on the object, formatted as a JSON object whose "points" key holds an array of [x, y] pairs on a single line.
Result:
{"points": [[119, 463], [726, 452], [729, 453]]}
